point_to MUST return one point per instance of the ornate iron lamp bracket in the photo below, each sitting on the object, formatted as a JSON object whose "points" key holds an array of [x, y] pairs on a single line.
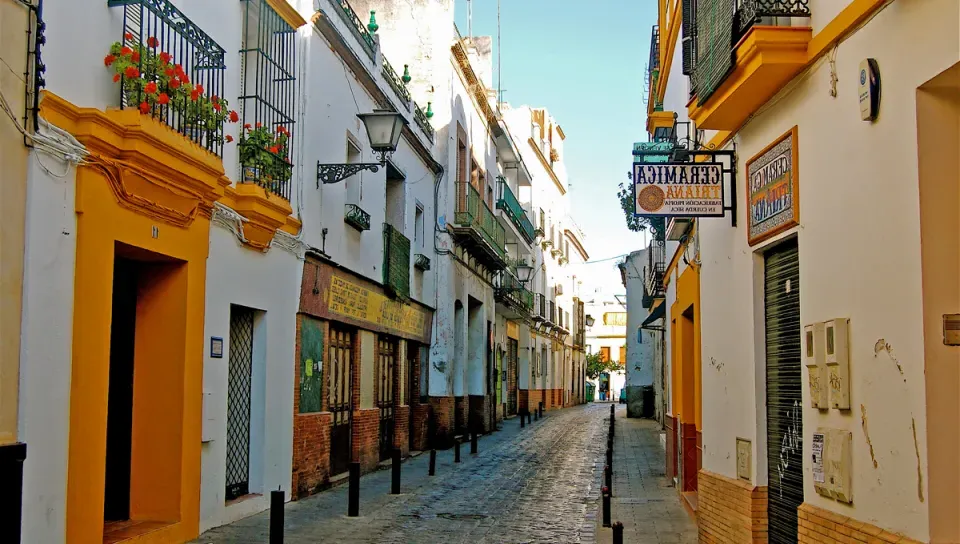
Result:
{"points": [[334, 173]]}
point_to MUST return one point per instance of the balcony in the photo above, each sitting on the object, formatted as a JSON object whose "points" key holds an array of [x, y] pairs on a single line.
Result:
{"points": [[744, 55], [653, 71], [359, 30], [396, 83], [476, 228], [422, 262], [423, 120], [653, 273], [516, 298], [156, 37], [540, 308], [354, 216], [511, 207]]}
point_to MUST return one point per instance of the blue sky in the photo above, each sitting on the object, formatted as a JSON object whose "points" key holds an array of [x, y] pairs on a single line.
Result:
{"points": [[586, 66]]}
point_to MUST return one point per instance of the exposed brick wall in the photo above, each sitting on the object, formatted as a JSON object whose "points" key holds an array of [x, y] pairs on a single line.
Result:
{"points": [[730, 511], [421, 426], [670, 426], [311, 452], [366, 438], [480, 406], [530, 398], [819, 526], [443, 414], [401, 429]]}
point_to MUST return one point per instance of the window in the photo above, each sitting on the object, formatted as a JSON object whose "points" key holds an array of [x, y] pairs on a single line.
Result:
{"points": [[543, 219], [354, 184], [418, 227], [623, 354], [461, 154], [605, 354], [268, 100]]}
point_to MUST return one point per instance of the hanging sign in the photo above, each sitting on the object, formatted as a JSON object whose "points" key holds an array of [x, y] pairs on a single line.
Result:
{"points": [[773, 204], [678, 189]]}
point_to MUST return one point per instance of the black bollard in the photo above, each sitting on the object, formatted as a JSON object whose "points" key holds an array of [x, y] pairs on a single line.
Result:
{"points": [[433, 462], [610, 458], [618, 533], [608, 478], [606, 507], [523, 420], [276, 517], [541, 410], [456, 450], [353, 496], [473, 442], [395, 481], [536, 415], [529, 417]]}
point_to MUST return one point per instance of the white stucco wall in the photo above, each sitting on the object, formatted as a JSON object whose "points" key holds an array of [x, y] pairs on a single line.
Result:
{"points": [[639, 364], [268, 283], [852, 197], [46, 348]]}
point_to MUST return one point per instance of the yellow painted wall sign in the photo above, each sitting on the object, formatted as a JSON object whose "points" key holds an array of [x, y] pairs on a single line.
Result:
{"points": [[352, 300]]}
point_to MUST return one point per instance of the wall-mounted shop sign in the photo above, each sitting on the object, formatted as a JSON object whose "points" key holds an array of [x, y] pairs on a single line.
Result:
{"points": [[773, 203], [679, 189], [331, 293]]}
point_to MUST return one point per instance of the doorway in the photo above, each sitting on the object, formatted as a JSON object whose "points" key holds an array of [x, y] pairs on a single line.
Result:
{"points": [[784, 387], [144, 419], [513, 351], [116, 496], [339, 393], [239, 389], [386, 398]]}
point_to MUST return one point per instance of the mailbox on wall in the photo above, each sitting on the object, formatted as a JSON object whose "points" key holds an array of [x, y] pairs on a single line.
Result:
{"points": [[814, 358]]}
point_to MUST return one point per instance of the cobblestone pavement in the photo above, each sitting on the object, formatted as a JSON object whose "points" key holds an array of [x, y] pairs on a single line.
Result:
{"points": [[538, 484], [643, 500]]}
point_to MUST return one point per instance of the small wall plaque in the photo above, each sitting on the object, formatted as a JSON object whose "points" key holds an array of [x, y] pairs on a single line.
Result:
{"points": [[744, 459], [951, 329], [216, 347]]}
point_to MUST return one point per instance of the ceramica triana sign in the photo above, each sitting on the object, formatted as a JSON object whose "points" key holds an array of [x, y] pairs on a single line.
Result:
{"points": [[678, 189]]}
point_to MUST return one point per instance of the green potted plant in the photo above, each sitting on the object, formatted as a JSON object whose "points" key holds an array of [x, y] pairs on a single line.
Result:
{"points": [[263, 155], [150, 80]]}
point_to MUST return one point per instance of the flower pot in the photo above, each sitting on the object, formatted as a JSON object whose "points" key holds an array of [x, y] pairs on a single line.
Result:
{"points": [[251, 174], [193, 132]]}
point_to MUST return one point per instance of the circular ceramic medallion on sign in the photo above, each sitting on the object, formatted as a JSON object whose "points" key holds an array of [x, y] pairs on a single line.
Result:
{"points": [[651, 198]]}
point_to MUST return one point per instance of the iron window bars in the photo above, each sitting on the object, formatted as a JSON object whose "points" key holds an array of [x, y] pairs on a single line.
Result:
{"points": [[269, 95], [712, 29], [160, 23]]}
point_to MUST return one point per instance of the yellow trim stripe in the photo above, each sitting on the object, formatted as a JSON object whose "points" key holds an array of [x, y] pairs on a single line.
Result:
{"points": [[287, 13]]}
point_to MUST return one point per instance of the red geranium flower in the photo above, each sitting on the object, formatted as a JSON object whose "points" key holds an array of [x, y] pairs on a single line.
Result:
{"points": [[108, 60], [229, 138], [132, 72], [217, 107], [163, 99], [125, 51], [144, 107], [169, 72], [178, 68], [135, 56], [165, 57], [199, 88], [259, 125], [214, 99], [274, 150], [280, 129], [184, 78], [127, 36], [150, 88], [116, 78], [194, 95], [174, 83], [247, 126], [234, 117], [152, 42]]}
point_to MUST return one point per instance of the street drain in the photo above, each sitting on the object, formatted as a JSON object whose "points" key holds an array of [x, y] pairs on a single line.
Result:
{"points": [[461, 517]]}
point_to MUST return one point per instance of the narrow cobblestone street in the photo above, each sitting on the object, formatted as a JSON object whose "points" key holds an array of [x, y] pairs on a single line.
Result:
{"points": [[538, 484]]}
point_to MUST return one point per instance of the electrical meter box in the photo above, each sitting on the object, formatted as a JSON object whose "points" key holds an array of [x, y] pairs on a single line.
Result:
{"points": [[814, 358], [838, 362], [838, 464], [819, 448]]}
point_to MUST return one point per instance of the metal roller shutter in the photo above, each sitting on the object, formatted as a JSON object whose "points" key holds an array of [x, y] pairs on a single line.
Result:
{"points": [[784, 382]]}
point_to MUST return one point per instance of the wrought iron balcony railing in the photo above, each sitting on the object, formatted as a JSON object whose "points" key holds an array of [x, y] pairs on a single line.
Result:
{"points": [[422, 262], [396, 83], [540, 307], [552, 312], [655, 48], [510, 290], [718, 27], [357, 27], [396, 262], [473, 212], [156, 34], [511, 206], [354, 216]]}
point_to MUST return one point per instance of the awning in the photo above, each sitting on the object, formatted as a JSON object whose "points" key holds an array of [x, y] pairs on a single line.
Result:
{"points": [[658, 313]]}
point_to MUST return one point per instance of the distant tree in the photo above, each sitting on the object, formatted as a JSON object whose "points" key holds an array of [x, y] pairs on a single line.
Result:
{"points": [[627, 204], [597, 366]]}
